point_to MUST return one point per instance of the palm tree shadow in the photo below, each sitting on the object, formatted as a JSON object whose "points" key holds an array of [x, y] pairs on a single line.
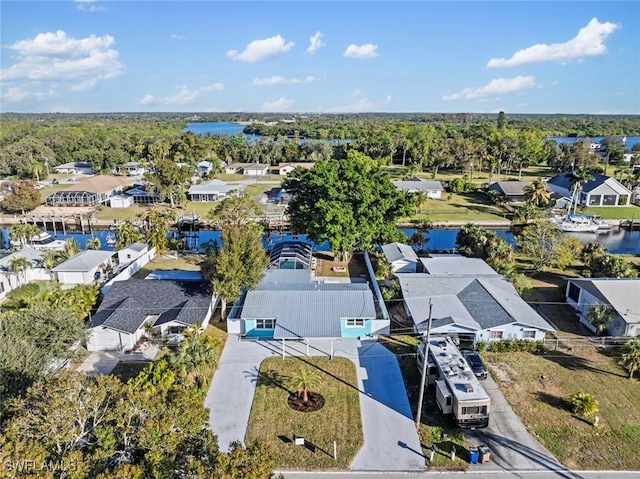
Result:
{"points": [[557, 402], [268, 379], [575, 363]]}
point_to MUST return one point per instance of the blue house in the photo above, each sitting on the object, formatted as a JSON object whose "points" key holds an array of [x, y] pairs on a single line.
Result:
{"points": [[290, 304]]}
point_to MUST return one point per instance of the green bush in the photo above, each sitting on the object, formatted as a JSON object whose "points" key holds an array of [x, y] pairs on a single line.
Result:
{"points": [[481, 346], [583, 404], [460, 185], [516, 345]]}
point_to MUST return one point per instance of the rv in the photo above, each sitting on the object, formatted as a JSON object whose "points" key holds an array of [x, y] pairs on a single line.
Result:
{"points": [[458, 391]]}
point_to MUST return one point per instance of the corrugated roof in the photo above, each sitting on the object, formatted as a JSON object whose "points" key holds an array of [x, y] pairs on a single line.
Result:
{"points": [[128, 303], [33, 256], [84, 261], [100, 183], [212, 186], [488, 301], [416, 183], [623, 294], [396, 251], [457, 265], [308, 310]]}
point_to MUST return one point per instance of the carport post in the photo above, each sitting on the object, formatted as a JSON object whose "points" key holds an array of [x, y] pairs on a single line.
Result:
{"points": [[425, 361], [331, 348], [307, 346], [283, 351]]}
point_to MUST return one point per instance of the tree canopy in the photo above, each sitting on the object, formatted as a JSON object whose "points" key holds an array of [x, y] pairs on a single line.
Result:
{"points": [[23, 197], [351, 203]]}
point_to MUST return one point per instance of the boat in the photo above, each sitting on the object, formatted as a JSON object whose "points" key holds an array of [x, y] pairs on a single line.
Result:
{"points": [[576, 224], [111, 239], [43, 242]]}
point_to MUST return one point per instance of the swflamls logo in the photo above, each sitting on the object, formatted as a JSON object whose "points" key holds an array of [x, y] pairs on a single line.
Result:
{"points": [[29, 465]]}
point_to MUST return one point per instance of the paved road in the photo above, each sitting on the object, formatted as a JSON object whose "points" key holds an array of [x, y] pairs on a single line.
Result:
{"points": [[390, 438], [512, 447], [471, 474]]}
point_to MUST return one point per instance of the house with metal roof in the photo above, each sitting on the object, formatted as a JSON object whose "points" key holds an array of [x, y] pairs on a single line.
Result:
{"points": [[35, 271], [212, 190], [456, 265], [168, 307], [433, 189], [600, 191], [621, 294], [85, 267], [74, 168], [402, 257], [288, 305], [472, 308]]}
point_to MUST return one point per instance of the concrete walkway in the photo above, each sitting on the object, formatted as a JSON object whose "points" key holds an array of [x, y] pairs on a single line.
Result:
{"points": [[390, 439], [99, 362], [512, 447]]}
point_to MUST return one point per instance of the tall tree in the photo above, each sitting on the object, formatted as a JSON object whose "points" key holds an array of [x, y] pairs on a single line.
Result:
{"points": [[127, 233], [351, 203], [599, 315], [611, 266], [156, 226], [167, 177], [70, 249], [537, 193], [630, 356], [238, 264], [547, 246], [18, 266], [235, 211], [23, 197], [93, 243], [578, 178]]}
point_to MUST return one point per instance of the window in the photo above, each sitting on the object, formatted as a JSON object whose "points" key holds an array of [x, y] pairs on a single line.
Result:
{"points": [[610, 200], [529, 334], [355, 322], [1, 287], [265, 323], [448, 400], [574, 292], [594, 199], [495, 335], [176, 329], [474, 410]]}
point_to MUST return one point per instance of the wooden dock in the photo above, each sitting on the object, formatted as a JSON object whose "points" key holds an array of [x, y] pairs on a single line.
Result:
{"points": [[631, 225]]}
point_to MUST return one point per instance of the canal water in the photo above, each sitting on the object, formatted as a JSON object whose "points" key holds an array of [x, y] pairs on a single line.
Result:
{"points": [[616, 241]]}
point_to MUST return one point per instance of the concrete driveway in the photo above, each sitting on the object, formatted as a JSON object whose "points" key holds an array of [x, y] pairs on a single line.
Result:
{"points": [[99, 362], [512, 447], [390, 439]]}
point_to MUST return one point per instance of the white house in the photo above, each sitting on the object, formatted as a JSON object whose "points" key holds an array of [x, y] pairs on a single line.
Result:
{"points": [[34, 271], [600, 191], [89, 192], [455, 264], [74, 168], [482, 308], [433, 189], [121, 201], [621, 294], [85, 267], [402, 257], [167, 307], [133, 168], [284, 169], [255, 169], [212, 190], [131, 252], [235, 168], [204, 168]]}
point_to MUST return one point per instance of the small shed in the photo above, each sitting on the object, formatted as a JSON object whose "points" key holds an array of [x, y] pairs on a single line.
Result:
{"points": [[121, 201], [85, 267], [132, 252], [401, 256]]}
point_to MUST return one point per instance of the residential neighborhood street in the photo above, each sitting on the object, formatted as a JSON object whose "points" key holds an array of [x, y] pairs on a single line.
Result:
{"points": [[563, 474]]}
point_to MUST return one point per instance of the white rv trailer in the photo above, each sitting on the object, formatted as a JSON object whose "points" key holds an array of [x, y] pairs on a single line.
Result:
{"points": [[458, 391]]}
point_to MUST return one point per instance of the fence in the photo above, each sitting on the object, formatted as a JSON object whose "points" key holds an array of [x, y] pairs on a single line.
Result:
{"points": [[130, 269]]}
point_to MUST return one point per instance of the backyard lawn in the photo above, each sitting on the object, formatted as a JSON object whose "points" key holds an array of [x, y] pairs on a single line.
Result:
{"points": [[274, 423], [463, 207], [615, 212], [186, 262], [537, 387]]}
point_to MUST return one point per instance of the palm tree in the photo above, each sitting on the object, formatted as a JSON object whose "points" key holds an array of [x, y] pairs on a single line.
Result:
{"points": [[49, 260], [304, 380], [71, 248], [93, 243], [537, 193], [630, 355], [18, 266], [591, 251], [578, 177], [127, 233], [599, 316]]}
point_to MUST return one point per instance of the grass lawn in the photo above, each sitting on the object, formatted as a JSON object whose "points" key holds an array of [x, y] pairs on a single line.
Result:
{"points": [[273, 422], [460, 207], [434, 425], [615, 212], [328, 266], [537, 387], [186, 262], [528, 174]]}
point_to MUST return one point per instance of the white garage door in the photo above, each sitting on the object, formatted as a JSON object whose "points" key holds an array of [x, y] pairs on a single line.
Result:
{"points": [[106, 340]]}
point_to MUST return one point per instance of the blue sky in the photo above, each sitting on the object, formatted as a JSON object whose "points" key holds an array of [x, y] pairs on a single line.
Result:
{"points": [[520, 57]]}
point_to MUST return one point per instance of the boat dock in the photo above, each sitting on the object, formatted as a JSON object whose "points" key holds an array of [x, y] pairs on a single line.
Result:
{"points": [[631, 225]]}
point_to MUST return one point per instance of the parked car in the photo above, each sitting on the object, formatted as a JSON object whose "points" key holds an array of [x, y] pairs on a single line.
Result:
{"points": [[476, 364]]}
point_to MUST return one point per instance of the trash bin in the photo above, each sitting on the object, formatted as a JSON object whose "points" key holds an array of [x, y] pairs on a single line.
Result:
{"points": [[485, 454], [473, 455]]}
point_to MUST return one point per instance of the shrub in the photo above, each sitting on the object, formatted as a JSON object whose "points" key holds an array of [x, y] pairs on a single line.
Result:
{"points": [[460, 185], [583, 404], [512, 345], [481, 346]]}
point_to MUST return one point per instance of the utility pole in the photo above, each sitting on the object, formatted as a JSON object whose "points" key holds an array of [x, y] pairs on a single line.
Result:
{"points": [[425, 361]]}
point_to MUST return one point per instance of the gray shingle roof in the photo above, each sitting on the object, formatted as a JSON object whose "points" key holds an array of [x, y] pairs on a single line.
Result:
{"points": [[564, 181], [486, 301], [308, 310], [128, 303], [396, 251], [84, 261], [510, 188]]}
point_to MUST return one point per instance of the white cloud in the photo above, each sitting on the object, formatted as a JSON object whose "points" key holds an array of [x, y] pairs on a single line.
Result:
{"points": [[16, 95], [361, 52], [280, 81], [260, 49], [315, 43], [147, 100], [213, 87], [176, 36], [362, 105], [89, 6], [588, 42], [281, 104], [57, 57], [495, 87]]}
